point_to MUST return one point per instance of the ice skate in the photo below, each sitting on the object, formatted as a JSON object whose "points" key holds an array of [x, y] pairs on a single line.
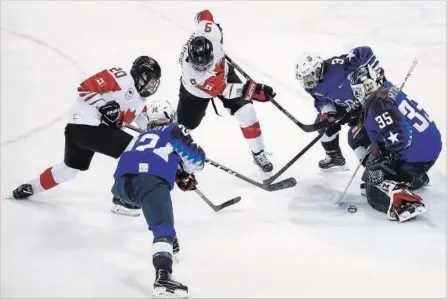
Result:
{"points": [[261, 160], [122, 208], [23, 191], [166, 287], [334, 162]]}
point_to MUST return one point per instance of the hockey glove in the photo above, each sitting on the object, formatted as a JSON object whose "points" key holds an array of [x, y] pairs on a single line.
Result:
{"points": [[257, 92], [185, 181], [111, 115], [379, 162], [333, 127]]}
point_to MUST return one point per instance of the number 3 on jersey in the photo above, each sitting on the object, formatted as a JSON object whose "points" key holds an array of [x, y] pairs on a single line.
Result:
{"points": [[406, 109]]}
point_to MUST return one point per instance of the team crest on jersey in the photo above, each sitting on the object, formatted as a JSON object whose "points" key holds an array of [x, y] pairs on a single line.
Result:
{"points": [[129, 94], [101, 82]]}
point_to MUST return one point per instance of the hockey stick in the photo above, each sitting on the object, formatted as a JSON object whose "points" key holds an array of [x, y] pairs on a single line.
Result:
{"points": [[291, 162], [218, 207], [306, 128], [339, 200], [287, 183], [413, 65]]}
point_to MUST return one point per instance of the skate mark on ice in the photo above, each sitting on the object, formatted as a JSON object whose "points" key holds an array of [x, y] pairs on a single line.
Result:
{"points": [[60, 54]]}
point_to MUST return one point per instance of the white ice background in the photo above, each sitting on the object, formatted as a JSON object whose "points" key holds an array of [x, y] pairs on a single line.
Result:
{"points": [[291, 243]]}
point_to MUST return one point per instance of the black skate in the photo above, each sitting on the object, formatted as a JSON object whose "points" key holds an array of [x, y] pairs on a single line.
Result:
{"points": [[123, 208], [261, 160], [166, 287], [334, 161], [23, 191]]}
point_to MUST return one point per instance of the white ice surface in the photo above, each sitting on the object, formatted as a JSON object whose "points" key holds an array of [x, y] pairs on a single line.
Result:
{"points": [[291, 243]]}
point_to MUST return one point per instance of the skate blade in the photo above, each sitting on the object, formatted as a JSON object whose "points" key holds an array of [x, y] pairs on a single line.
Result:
{"points": [[117, 209], [407, 215], [335, 169], [161, 292]]}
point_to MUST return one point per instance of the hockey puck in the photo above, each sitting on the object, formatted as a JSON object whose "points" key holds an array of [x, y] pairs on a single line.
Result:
{"points": [[352, 209]]}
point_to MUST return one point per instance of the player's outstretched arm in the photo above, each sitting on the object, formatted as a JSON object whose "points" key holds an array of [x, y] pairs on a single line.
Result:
{"points": [[192, 155], [359, 57]]}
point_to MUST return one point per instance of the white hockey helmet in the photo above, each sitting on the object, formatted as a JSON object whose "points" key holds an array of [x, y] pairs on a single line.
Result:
{"points": [[309, 70], [160, 112], [364, 82]]}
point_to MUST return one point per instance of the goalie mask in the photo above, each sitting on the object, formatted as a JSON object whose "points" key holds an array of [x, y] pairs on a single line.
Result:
{"points": [[364, 82]]}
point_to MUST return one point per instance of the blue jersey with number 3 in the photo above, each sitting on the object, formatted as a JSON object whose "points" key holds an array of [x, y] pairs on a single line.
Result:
{"points": [[404, 127], [158, 151]]}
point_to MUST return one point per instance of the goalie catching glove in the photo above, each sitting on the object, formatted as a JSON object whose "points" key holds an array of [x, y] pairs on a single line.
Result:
{"points": [[184, 180], [257, 92]]}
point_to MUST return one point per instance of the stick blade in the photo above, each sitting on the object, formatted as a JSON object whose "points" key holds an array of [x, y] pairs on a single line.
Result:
{"points": [[284, 184], [228, 203]]}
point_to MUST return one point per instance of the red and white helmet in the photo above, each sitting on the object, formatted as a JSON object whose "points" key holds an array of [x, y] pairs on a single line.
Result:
{"points": [[309, 70]]}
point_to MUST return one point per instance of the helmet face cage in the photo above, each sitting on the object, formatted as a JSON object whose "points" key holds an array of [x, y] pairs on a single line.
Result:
{"points": [[147, 84], [309, 71], [146, 73], [310, 80], [363, 84], [200, 54]]}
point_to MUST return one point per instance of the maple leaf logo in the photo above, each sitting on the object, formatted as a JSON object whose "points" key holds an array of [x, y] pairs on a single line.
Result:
{"points": [[128, 116]]}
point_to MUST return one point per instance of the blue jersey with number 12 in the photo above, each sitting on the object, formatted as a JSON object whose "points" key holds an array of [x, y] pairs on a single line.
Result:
{"points": [[404, 127], [159, 150]]}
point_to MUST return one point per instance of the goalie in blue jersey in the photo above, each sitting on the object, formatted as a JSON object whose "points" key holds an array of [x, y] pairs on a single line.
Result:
{"points": [[160, 156], [405, 145]]}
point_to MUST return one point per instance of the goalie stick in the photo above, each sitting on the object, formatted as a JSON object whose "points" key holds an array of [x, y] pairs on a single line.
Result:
{"points": [[338, 200], [306, 128]]}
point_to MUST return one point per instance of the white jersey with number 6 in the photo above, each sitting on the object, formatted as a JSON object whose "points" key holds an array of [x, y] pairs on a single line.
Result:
{"points": [[212, 82]]}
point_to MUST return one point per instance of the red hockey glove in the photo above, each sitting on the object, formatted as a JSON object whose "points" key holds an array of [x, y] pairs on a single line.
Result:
{"points": [[204, 15], [257, 92], [185, 181]]}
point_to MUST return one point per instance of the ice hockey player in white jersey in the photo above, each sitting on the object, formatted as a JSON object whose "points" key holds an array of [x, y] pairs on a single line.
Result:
{"points": [[206, 74], [106, 101]]}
